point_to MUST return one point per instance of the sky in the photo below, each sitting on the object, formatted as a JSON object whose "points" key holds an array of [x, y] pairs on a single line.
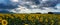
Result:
{"points": [[30, 6]]}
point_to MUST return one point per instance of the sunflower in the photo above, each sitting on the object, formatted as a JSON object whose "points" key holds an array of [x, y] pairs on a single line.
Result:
{"points": [[46, 20], [52, 22], [41, 19], [4, 22], [26, 24], [0, 19]]}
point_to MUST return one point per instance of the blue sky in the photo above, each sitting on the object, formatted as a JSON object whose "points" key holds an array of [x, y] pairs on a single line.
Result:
{"points": [[30, 6], [58, 6], [3, 1]]}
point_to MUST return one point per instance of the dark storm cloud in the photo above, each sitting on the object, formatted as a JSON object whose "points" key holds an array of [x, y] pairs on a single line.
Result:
{"points": [[30, 4], [36, 1], [49, 3], [2, 6]]}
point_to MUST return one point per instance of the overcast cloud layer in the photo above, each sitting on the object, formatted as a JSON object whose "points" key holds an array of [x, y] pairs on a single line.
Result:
{"points": [[30, 6]]}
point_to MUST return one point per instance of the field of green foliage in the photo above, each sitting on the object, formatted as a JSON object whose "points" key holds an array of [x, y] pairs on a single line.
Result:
{"points": [[29, 19]]}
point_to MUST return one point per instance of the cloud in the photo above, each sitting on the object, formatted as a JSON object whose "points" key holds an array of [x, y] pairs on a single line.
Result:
{"points": [[30, 6], [27, 10], [33, 6], [14, 0]]}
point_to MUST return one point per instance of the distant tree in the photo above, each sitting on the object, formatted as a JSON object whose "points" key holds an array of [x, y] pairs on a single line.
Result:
{"points": [[50, 13]]}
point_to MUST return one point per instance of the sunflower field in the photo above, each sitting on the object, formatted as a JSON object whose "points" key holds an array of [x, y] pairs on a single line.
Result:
{"points": [[29, 19]]}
